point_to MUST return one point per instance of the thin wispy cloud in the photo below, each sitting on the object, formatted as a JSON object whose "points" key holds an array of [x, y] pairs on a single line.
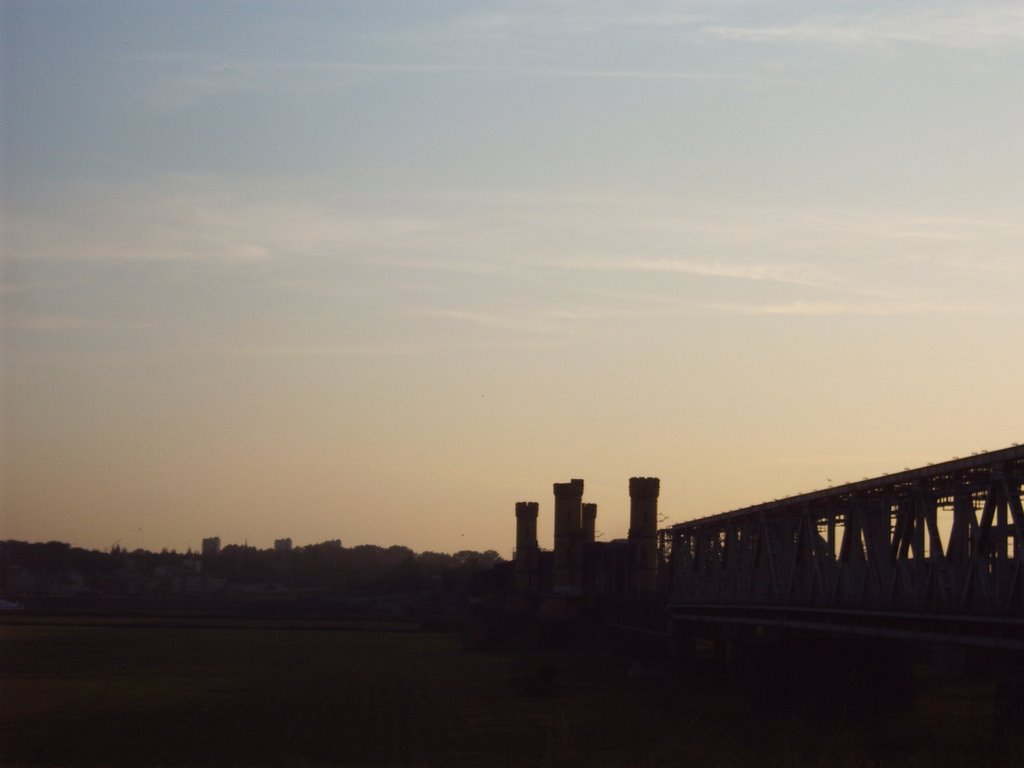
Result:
{"points": [[527, 41], [40, 321], [555, 320], [868, 309], [772, 261], [573, 20], [12, 289], [323, 350], [641, 74], [961, 26], [417, 348], [201, 221], [758, 272], [187, 80]]}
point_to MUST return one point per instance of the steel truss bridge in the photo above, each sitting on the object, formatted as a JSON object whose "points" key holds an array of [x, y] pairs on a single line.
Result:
{"points": [[933, 553]]}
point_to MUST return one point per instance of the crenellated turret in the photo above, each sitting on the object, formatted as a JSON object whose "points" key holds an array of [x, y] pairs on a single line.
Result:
{"points": [[568, 565], [643, 534], [589, 522], [527, 555]]}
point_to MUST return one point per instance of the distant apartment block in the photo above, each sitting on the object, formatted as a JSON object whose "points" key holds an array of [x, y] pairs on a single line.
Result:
{"points": [[282, 545], [211, 546]]}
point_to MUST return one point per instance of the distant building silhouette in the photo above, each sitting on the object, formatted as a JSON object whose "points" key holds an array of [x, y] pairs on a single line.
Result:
{"points": [[211, 546], [282, 545]]}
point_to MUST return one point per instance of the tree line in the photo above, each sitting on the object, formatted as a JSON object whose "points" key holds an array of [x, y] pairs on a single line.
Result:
{"points": [[365, 568]]}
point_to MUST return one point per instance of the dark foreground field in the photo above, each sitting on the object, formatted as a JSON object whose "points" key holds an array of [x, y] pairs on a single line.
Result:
{"points": [[179, 696]]}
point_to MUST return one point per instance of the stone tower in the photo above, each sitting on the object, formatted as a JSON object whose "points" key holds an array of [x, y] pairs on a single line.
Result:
{"points": [[643, 534], [589, 522], [568, 566], [527, 555]]}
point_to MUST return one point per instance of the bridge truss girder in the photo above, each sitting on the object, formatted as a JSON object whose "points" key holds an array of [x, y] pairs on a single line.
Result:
{"points": [[947, 540]]}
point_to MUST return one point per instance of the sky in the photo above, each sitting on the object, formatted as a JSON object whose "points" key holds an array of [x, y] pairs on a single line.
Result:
{"points": [[378, 270]]}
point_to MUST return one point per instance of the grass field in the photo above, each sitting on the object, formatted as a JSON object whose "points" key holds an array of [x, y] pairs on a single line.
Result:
{"points": [[115, 695]]}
